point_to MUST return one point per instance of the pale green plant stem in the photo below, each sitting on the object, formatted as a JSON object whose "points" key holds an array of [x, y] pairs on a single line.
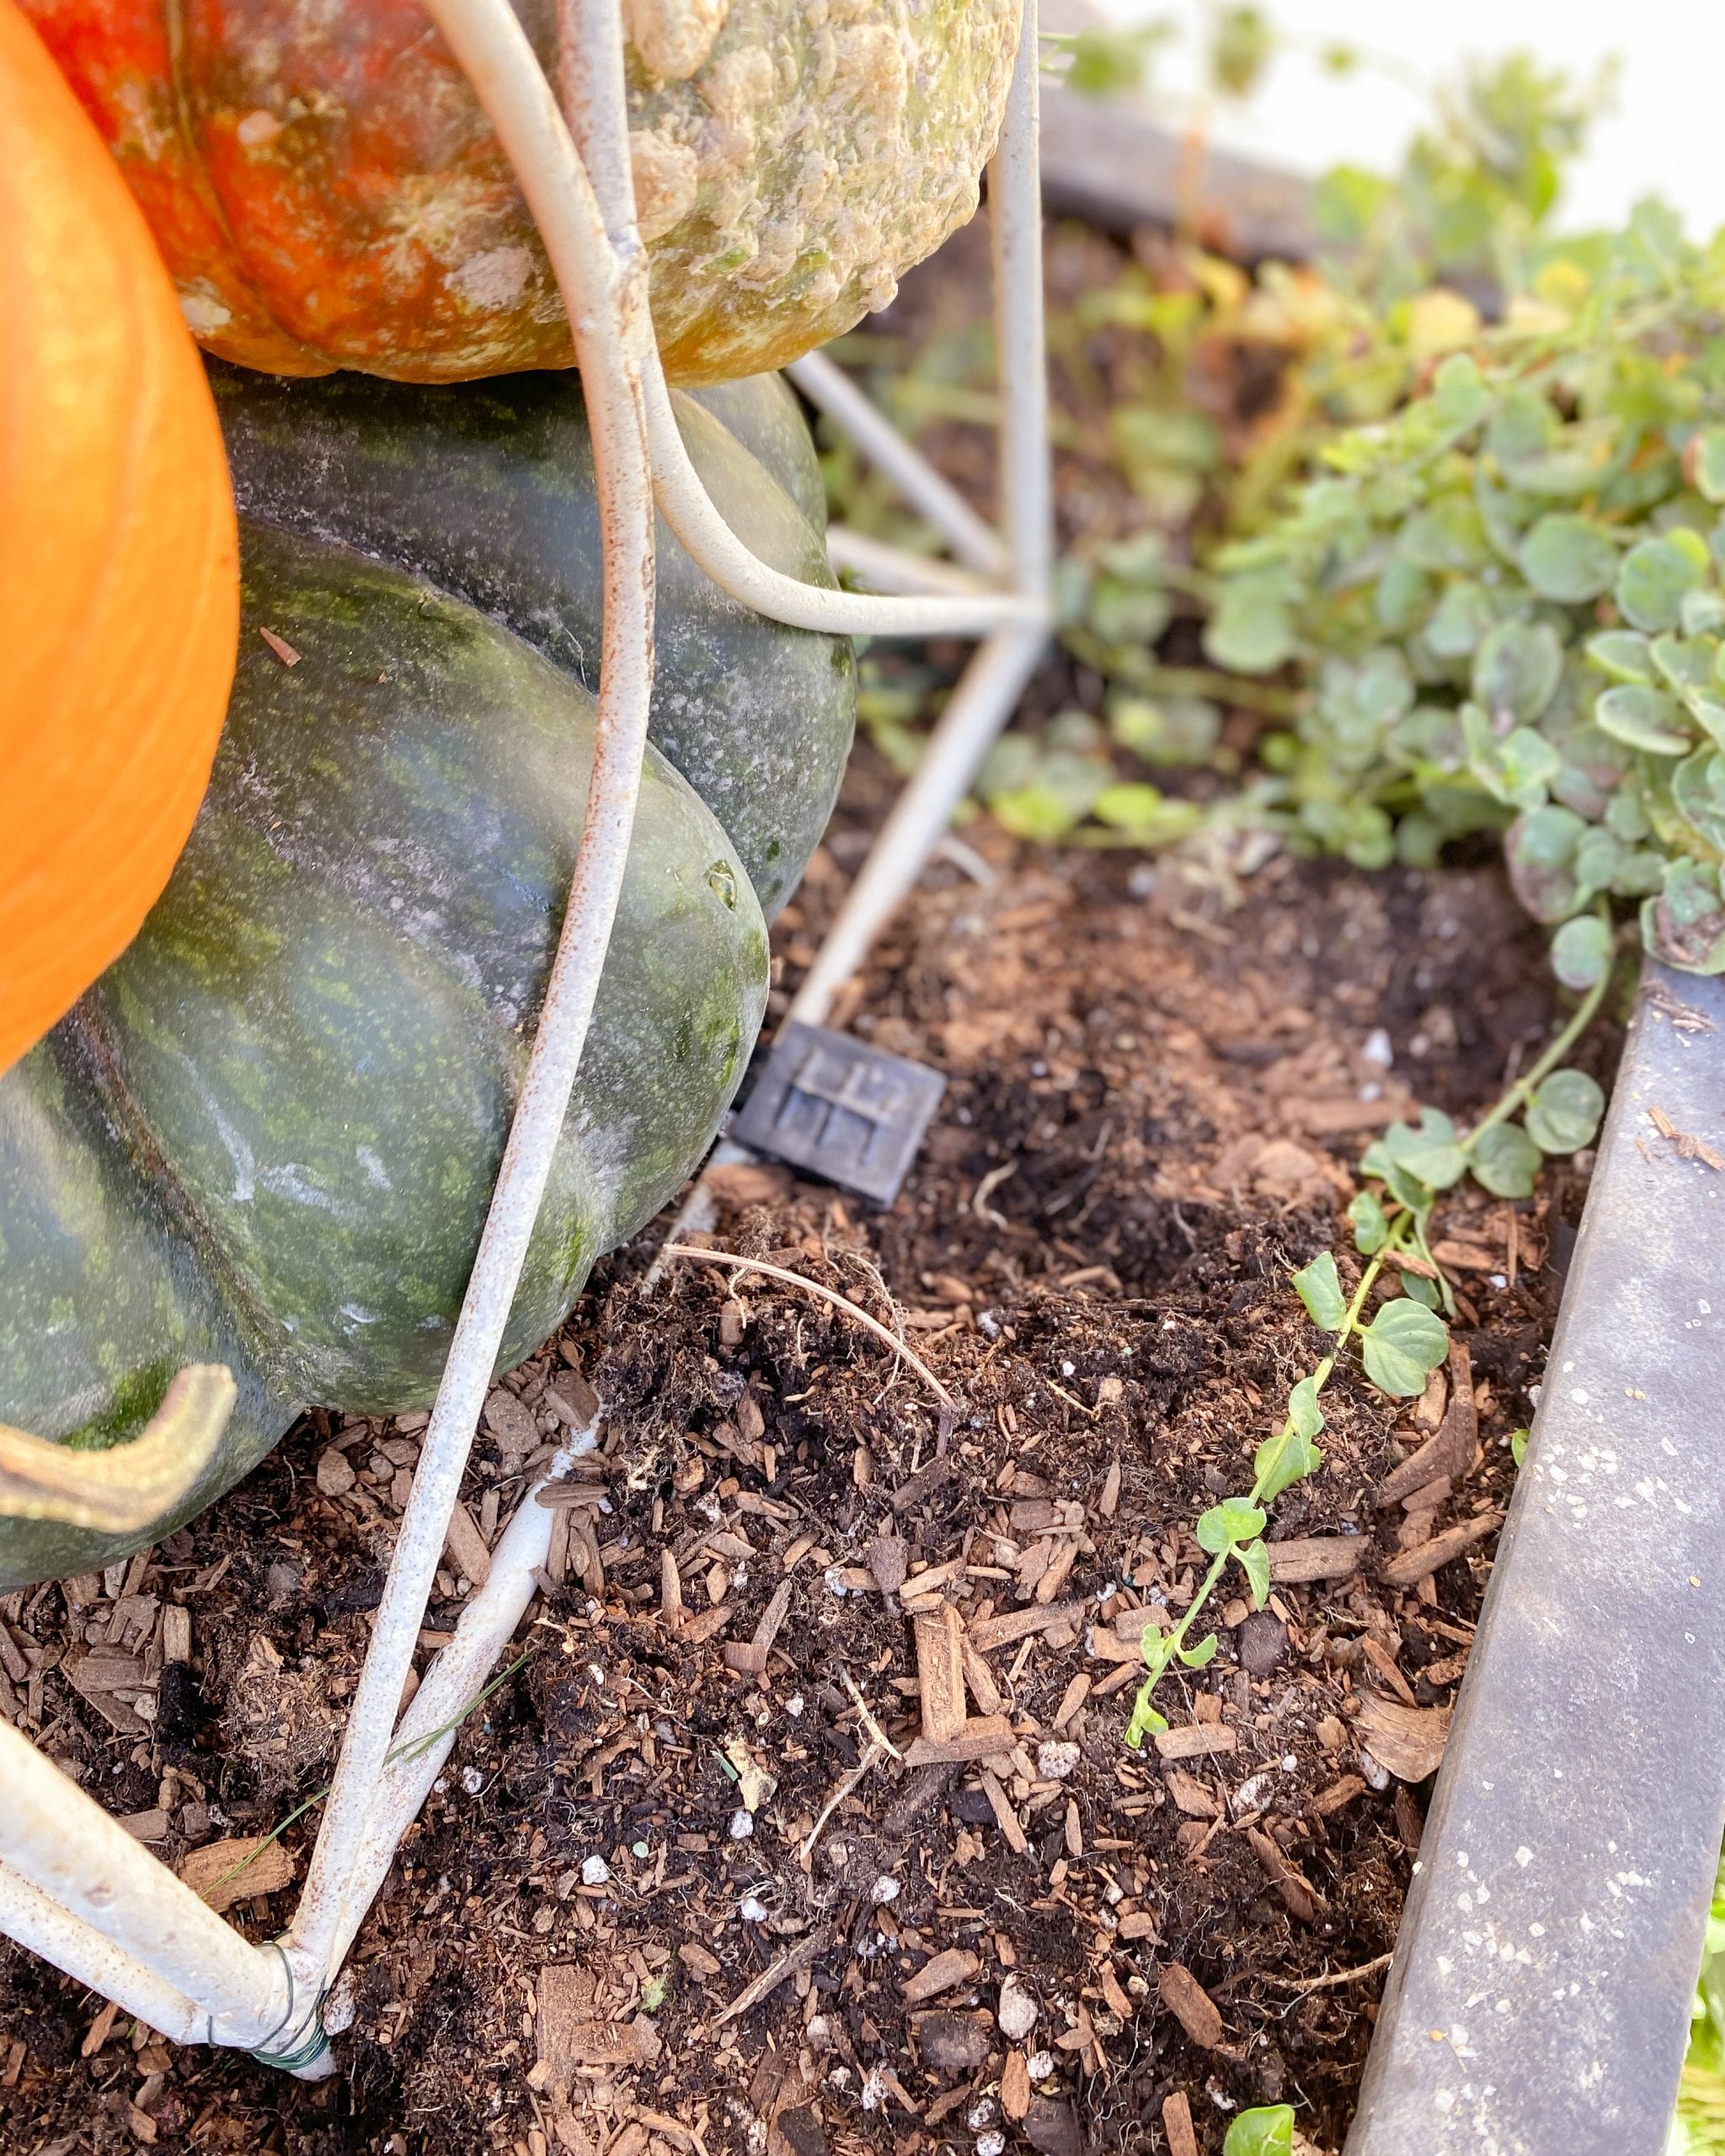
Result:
{"points": [[1524, 1088], [1219, 1564]]}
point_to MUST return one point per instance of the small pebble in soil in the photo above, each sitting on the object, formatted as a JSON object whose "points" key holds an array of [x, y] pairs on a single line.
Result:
{"points": [[473, 1781], [1016, 2013], [1377, 1050], [1040, 2065], [752, 1909], [742, 1825], [835, 1580], [990, 2144], [1262, 1642], [885, 1889], [1054, 1762], [595, 1872], [793, 1706]]}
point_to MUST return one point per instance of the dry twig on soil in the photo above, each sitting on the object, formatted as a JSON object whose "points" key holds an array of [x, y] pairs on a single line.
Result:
{"points": [[827, 1294]]}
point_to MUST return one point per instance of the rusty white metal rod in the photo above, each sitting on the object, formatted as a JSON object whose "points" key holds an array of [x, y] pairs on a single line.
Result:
{"points": [[128, 1919], [604, 288], [91, 1958], [454, 1680], [713, 547], [1015, 219], [884, 566], [994, 679], [978, 707], [913, 477]]}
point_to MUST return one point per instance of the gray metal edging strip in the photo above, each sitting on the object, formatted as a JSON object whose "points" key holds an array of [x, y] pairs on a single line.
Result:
{"points": [[1538, 2004]]}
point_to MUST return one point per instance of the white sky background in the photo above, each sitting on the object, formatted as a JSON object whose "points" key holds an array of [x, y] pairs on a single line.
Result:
{"points": [[1666, 135]]}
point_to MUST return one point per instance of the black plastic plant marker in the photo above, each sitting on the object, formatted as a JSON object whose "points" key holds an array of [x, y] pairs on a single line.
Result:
{"points": [[839, 1109], [1539, 2001]]}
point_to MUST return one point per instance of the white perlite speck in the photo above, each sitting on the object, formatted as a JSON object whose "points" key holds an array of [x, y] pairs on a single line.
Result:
{"points": [[1016, 2013]]}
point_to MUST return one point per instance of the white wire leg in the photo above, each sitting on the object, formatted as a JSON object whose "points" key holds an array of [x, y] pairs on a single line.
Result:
{"points": [[934, 498], [604, 288], [126, 1925], [454, 1680], [33, 1920], [994, 679]]}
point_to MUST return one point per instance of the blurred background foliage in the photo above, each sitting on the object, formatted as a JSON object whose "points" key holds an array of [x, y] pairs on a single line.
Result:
{"points": [[1351, 545]]}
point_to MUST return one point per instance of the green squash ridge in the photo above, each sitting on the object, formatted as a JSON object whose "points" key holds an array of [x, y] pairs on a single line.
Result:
{"points": [[397, 817], [497, 507]]}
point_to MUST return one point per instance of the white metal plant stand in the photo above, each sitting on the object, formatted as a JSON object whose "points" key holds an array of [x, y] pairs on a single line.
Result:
{"points": [[74, 1885]]}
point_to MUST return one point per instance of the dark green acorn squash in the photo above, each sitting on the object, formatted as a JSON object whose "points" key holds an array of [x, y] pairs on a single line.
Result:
{"points": [[488, 491], [268, 1135]]}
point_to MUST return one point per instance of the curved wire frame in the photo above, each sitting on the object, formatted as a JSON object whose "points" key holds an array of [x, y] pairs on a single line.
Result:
{"points": [[74, 1885]]}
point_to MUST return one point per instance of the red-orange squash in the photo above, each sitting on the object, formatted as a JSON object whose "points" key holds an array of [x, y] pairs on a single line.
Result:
{"points": [[119, 561], [328, 193]]}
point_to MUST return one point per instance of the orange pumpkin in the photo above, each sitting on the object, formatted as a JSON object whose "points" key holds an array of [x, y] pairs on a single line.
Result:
{"points": [[118, 558], [329, 194]]}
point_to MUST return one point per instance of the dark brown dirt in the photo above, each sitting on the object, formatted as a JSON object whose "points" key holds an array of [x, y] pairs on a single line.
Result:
{"points": [[1159, 1078]]}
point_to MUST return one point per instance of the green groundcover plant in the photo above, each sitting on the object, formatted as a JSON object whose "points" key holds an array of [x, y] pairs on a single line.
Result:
{"points": [[1507, 599]]}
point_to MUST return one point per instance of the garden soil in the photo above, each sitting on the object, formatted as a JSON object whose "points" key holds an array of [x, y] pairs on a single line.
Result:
{"points": [[707, 1873]]}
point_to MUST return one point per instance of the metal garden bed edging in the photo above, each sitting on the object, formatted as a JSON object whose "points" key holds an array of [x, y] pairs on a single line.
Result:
{"points": [[1538, 2004]]}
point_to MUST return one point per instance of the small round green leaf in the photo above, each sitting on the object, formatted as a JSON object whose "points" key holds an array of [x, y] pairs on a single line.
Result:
{"points": [[1250, 630], [1235, 1520], [1564, 1113], [1517, 668], [1655, 575], [1642, 717], [1265, 2130], [1421, 1289], [1505, 1161], [1431, 1153], [1319, 1287], [1624, 654], [1202, 1654], [1581, 951], [1402, 1345], [1255, 1563], [1568, 557], [1370, 1224]]}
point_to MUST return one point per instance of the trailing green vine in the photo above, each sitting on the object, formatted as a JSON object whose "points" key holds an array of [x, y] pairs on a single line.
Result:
{"points": [[1407, 1170]]}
